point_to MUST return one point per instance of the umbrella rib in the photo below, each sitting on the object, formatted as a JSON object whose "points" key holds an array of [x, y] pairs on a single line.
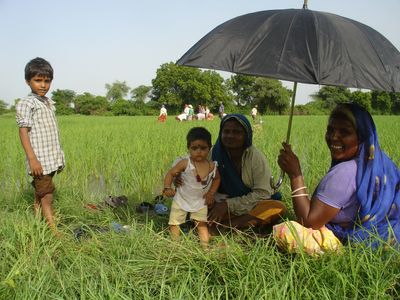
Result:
{"points": [[285, 43], [352, 67], [377, 54], [316, 78], [373, 47]]}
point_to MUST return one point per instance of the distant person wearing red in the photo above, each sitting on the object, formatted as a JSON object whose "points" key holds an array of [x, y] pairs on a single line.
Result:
{"points": [[163, 114]]}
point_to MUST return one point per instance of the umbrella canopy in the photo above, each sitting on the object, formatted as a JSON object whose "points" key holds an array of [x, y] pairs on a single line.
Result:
{"points": [[300, 45]]}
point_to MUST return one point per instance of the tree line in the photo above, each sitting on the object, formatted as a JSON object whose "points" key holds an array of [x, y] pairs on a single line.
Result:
{"points": [[174, 86]]}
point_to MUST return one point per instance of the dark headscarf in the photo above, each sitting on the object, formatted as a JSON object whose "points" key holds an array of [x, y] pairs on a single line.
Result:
{"points": [[378, 181], [231, 181]]}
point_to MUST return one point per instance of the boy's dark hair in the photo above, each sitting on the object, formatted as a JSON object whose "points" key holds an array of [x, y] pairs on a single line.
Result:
{"points": [[38, 66], [198, 133]]}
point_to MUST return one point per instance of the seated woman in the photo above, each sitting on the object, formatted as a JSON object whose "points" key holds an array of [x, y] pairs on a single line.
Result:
{"points": [[356, 201], [181, 117], [201, 116], [244, 196]]}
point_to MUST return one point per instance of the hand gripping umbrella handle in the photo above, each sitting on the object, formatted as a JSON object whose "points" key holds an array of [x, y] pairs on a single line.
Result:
{"points": [[276, 185]]}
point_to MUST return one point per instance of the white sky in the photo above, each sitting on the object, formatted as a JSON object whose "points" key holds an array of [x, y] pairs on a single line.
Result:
{"points": [[93, 42]]}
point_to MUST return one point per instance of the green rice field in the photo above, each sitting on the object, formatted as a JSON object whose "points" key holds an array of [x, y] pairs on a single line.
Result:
{"points": [[129, 156]]}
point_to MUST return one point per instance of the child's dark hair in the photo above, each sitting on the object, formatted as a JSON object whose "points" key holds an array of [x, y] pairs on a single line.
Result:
{"points": [[198, 133], [38, 66]]}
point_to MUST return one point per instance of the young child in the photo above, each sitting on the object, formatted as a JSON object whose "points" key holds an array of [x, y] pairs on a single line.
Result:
{"points": [[200, 179], [38, 131]]}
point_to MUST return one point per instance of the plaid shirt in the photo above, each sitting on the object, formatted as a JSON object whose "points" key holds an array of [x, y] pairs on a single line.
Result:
{"points": [[38, 114]]}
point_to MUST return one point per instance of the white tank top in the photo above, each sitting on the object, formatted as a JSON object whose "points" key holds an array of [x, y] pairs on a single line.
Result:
{"points": [[189, 196]]}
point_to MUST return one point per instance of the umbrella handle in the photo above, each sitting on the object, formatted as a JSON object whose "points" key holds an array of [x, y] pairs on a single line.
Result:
{"points": [[276, 185]]}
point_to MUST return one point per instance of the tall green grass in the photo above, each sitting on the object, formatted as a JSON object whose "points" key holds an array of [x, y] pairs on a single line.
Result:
{"points": [[130, 155]]}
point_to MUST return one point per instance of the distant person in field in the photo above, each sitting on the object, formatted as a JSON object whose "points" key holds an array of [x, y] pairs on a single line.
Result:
{"points": [[163, 114], [186, 111], [358, 200], [190, 113], [221, 110], [254, 112], [204, 114], [39, 134], [201, 180], [184, 115], [207, 112]]}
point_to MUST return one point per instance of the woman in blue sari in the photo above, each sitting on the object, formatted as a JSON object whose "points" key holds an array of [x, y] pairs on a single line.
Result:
{"points": [[244, 196], [356, 201]]}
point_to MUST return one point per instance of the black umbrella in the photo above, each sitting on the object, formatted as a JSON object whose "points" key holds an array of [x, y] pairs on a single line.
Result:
{"points": [[300, 45]]}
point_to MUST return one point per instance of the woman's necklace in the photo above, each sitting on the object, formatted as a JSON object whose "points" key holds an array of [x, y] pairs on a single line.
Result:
{"points": [[198, 178]]}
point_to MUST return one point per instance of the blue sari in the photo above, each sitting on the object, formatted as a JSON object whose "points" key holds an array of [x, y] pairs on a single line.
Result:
{"points": [[231, 181], [378, 182]]}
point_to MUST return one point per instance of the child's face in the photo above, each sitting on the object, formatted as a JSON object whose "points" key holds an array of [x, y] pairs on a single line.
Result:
{"points": [[40, 85], [198, 150]]}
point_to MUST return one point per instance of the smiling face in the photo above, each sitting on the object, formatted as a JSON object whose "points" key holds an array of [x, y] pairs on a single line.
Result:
{"points": [[198, 150], [233, 135], [341, 138], [39, 85]]}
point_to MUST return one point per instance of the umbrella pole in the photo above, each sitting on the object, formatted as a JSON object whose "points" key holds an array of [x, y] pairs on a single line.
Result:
{"points": [[276, 185], [291, 113]]}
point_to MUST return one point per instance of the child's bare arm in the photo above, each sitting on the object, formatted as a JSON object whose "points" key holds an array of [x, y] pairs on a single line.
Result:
{"points": [[169, 177], [209, 196], [34, 164]]}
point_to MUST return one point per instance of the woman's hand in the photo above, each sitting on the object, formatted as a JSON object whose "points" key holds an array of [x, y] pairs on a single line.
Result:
{"points": [[288, 161], [218, 212]]}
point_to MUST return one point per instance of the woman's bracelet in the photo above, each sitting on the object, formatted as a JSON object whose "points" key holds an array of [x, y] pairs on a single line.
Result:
{"points": [[167, 188], [299, 189], [299, 195]]}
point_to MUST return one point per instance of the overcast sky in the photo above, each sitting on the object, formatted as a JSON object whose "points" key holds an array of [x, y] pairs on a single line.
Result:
{"points": [[94, 42]]}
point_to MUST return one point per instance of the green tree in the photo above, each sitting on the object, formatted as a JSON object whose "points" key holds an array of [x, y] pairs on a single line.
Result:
{"points": [[117, 90], [242, 87], [88, 104], [12, 107], [381, 102], [3, 107], [395, 103], [140, 93], [65, 101], [210, 90], [331, 95], [176, 85], [362, 99], [315, 107], [122, 107], [270, 95]]}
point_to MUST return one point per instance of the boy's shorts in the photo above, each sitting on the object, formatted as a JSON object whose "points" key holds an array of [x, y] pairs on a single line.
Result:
{"points": [[178, 215], [43, 185]]}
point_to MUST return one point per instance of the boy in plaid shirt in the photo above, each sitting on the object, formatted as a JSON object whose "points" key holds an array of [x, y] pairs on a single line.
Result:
{"points": [[38, 131]]}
